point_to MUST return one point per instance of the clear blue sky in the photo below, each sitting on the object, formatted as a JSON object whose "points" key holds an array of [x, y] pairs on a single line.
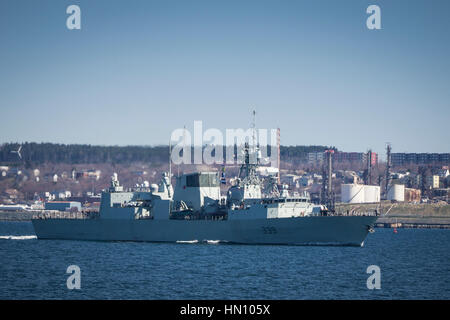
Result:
{"points": [[139, 69]]}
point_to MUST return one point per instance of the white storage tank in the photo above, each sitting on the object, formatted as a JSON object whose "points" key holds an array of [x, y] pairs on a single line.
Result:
{"points": [[371, 194], [352, 193], [396, 192]]}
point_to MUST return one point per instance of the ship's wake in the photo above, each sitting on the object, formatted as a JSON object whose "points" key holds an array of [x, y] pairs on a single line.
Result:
{"points": [[187, 241], [212, 241], [203, 241], [12, 237]]}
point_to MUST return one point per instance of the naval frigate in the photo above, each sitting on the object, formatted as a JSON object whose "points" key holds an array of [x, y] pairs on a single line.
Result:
{"points": [[195, 211]]}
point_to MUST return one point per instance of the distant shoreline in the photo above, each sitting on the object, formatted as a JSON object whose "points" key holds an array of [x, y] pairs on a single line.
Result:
{"points": [[16, 215], [405, 215], [414, 223]]}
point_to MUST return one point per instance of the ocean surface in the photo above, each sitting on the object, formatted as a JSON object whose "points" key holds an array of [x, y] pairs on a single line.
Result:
{"points": [[414, 264]]}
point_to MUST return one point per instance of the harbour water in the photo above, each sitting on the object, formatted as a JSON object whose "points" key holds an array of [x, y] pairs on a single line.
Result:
{"points": [[414, 264]]}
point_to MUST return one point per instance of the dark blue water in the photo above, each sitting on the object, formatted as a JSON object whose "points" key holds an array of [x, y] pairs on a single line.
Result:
{"points": [[415, 264]]}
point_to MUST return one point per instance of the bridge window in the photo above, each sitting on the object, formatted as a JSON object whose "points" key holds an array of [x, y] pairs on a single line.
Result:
{"points": [[202, 180]]}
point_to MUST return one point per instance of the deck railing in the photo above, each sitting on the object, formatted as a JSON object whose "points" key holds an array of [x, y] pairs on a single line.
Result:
{"points": [[67, 215]]}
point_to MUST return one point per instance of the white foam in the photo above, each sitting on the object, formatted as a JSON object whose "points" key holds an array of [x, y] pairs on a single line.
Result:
{"points": [[187, 241], [18, 237], [212, 241]]}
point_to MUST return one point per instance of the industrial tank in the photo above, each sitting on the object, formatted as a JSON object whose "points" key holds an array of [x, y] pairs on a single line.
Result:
{"points": [[396, 192], [352, 193], [371, 194]]}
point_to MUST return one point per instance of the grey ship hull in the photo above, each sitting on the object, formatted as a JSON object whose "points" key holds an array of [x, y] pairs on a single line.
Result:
{"points": [[316, 230]]}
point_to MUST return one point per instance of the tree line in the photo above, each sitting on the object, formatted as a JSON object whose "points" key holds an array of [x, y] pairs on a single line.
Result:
{"points": [[39, 153]]}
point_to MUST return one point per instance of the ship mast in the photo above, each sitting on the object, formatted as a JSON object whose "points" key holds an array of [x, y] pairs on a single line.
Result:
{"points": [[254, 129], [170, 159], [247, 172]]}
